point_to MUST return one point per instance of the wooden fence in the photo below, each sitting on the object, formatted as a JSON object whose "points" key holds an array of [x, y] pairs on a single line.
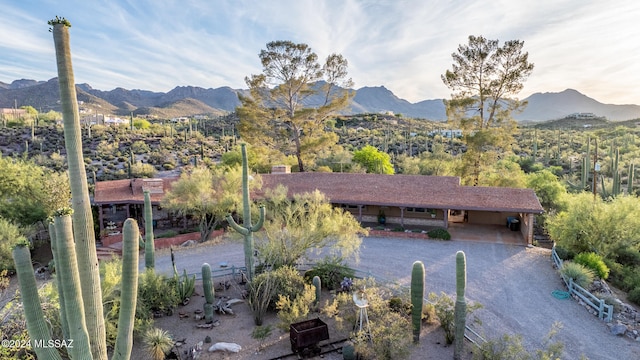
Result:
{"points": [[605, 311]]}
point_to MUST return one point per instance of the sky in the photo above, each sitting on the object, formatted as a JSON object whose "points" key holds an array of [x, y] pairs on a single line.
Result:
{"points": [[591, 46]]}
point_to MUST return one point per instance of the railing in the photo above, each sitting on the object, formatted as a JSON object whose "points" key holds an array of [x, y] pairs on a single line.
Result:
{"points": [[232, 271], [605, 312]]}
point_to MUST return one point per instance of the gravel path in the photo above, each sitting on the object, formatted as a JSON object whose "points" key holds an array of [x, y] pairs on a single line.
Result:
{"points": [[513, 283]]}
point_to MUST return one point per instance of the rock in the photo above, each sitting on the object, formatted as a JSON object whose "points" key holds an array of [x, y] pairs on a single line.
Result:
{"points": [[618, 330], [189, 243], [224, 346]]}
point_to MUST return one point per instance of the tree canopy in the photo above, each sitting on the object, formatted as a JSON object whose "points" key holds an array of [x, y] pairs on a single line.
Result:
{"points": [[484, 79], [593, 225], [30, 193], [374, 160], [292, 99], [307, 222], [207, 195]]}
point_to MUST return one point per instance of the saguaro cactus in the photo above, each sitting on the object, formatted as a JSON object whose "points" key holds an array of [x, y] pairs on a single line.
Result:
{"points": [[630, 179], [460, 310], [149, 246], [129, 290], [209, 292], [417, 298], [247, 229], [37, 326], [84, 235], [317, 283]]}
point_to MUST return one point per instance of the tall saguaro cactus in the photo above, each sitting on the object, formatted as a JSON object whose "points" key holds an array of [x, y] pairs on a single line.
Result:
{"points": [[149, 246], [417, 298], [85, 243], [460, 310], [247, 229]]}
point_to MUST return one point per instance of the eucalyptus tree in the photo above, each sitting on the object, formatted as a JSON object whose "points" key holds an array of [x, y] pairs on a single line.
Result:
{"points": [[292, 99], [484, 79]]}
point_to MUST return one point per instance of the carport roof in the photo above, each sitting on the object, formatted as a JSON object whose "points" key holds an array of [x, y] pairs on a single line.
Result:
{"points": [[435, 192]]}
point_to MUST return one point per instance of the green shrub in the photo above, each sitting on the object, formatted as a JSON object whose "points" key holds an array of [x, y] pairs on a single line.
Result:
{"points": [[634, 296], [628, 256], [444, 306], [292, 310], [157, 292], [167, 234], [439, 234], [594, 262], [331, 271], [580, 274], [564, 253]]}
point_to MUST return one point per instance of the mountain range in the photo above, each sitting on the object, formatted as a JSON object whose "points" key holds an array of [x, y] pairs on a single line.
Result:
{"points": [[192, 100]]}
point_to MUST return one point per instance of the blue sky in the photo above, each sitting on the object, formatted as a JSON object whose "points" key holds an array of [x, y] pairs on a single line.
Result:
{"points": [[405, 45]]}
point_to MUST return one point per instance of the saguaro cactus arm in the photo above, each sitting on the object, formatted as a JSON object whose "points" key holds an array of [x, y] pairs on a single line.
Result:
{"points": [[36, 325]]}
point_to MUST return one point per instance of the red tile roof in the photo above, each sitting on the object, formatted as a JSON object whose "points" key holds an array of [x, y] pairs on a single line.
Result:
{"points": [[437, 192], [128, 191]]}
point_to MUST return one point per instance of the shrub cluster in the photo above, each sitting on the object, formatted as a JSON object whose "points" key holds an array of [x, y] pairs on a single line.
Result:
{"points": [[580, 274], [439, 234], [594, 262], [331, 271]]}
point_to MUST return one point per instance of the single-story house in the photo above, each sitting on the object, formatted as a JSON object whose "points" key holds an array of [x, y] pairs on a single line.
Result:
{"points": [[403, 200]]}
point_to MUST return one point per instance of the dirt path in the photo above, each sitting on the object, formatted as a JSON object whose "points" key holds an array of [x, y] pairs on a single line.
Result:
{"points": [[513, 283]]}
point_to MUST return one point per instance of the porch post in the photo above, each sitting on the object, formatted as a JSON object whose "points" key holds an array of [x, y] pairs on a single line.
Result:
{"points": [[360, 213], [101, 218], [529, 234], [402, 216], [446, 218]]}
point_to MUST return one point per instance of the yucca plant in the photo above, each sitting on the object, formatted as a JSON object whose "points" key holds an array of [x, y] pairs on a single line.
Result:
{"points": [[157, 343]]}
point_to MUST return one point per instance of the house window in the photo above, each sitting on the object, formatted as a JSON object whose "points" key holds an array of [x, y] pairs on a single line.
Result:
{"points": [[351, 207], [416, 210]]}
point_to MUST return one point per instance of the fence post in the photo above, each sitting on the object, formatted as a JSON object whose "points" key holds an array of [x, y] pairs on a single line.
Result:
{"points": [[570, 286], [601, 310]]}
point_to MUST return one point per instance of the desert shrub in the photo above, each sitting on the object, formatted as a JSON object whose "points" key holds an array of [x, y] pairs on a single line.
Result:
{"points": [[444, 306], [140, 147], [168, 166], [14, 326], [110, 281], [510, 347], [331, 271], [288, 283], [628, 256], [397, 304], [580, 274], [167, 234], [291, 310], [157, 292], [439, 234], [10, 235], [141, 123], [390, 330], [140, 170], [594, 262], [261, 291], [564, 253], [634, 296]]}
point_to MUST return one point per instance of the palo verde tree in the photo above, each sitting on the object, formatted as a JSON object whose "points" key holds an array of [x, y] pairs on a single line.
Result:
{"points": [[206, 194], [484, 79], [292, 99], [304, 223]]}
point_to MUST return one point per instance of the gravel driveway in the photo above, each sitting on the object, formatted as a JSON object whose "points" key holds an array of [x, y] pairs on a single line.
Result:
{"points": [[513, 283]]}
